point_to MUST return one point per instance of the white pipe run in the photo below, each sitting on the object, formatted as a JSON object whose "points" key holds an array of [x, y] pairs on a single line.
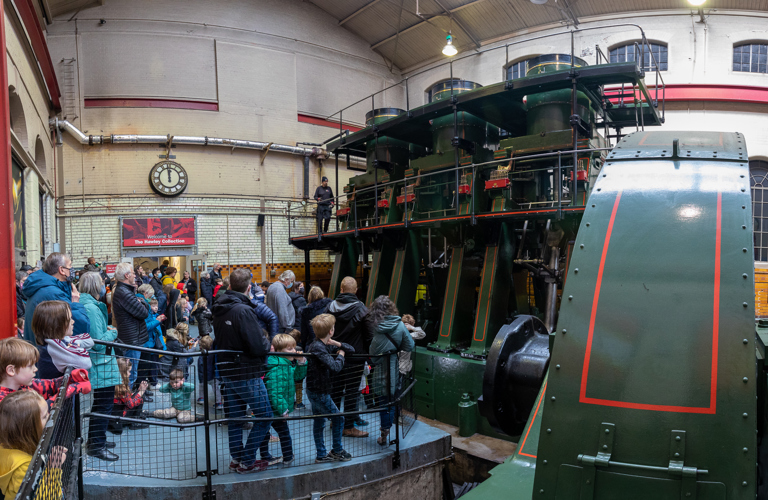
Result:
{"points": [[93, 140]]}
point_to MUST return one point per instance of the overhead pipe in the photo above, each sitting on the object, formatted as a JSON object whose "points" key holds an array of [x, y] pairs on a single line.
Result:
{"points": [[93, 140]]}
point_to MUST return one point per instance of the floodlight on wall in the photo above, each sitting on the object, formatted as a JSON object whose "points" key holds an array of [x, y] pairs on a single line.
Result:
{"points": [[693, 2], [450, 49]]}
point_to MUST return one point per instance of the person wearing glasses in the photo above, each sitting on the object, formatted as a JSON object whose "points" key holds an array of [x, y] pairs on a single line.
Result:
{"points": [[130, 313], [54, 282]]}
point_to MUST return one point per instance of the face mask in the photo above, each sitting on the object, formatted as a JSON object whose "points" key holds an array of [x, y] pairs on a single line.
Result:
{"points": [[288, 286], [103, 290]]}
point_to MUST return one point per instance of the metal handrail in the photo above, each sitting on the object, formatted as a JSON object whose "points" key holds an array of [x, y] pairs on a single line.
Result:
{"points": [[506, 46]]}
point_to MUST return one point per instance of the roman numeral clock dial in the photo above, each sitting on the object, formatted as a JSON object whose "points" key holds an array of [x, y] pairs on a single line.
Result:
{"points": [[168, 178]]}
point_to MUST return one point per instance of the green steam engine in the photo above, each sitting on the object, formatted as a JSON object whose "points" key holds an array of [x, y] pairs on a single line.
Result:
{"points": [[595, 302]]}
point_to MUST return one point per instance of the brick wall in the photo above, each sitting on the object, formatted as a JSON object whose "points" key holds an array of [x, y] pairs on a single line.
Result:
{"points": [[227, 228]]}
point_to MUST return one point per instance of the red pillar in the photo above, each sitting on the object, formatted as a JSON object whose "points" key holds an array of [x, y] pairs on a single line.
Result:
{"points": [[7, 267]]}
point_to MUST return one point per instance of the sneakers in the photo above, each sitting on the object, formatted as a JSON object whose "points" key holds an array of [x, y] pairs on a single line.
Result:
{"points": [[234, 465], [272, 460], [360, 422], [288, 461], [300, 406], [324, 460], [256, 466], [274, 439], [219, 406], [341, 456], [355, 433], [200, 401]]}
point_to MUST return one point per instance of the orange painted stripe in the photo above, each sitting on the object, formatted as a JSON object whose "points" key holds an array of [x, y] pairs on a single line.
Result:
{"points": [[533, 420]]}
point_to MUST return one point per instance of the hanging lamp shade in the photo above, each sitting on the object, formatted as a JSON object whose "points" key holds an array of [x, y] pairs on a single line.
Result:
{"points": [[450, 49]]}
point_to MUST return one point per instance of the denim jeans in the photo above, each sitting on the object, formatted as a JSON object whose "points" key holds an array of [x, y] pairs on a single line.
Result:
{"points": [[238, 396], [103, 400], [281, 427], [134, 357], [322, 404]]}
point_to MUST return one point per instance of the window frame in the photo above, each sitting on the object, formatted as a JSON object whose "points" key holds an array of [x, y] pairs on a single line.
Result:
{"points": [[762, 51], [514, 62], [662, 62], [758, 169]]}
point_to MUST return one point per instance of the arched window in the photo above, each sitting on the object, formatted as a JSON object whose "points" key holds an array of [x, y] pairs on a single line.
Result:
{"points": [[628, 52], [758, 170], [18, 122], [40, 156], [517, 69], [750, 57]]}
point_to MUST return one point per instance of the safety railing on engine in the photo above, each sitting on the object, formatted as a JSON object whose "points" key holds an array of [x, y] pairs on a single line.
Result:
{"points": [[563, 194], [54, 472], [206, 412]]}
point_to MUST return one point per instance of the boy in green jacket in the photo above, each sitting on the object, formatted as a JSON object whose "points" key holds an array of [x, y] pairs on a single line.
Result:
{"points": [[181, 407], [282, 374]]}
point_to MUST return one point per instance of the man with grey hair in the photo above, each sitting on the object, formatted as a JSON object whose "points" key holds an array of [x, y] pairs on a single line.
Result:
{"points": [[279, 301], [54, 282], [129, 312]]}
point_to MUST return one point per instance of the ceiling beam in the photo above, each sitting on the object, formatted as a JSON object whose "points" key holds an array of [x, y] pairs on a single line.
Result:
{"points": [[426, 21], [359, 11], [459, 24]]}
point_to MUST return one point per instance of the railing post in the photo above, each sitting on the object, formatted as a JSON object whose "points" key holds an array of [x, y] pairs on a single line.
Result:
{"points": [[337, 189], [407, 97], [559, 186], [393, 396], [79, 436], [472, 194], [209, 494]]}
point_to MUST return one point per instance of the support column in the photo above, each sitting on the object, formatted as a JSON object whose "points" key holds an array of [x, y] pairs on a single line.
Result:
{"points": [[345, 265], [456, 317], [405, 276], [7, 267], [381, 271]]}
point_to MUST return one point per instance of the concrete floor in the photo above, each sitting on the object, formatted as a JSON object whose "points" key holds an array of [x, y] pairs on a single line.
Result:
{"points": [[168, 453]]}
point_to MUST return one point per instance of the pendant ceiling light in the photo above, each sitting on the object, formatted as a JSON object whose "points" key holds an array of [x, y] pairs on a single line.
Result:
{"points": [[539, 2], [450, 49], [693, 2]]}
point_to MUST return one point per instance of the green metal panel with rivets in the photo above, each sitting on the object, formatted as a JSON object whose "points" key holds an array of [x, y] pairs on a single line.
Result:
{"points": [[652, 387], [345, 264]]}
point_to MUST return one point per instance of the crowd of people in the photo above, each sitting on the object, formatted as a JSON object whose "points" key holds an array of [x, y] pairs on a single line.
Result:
{"points": [[279, 342]]}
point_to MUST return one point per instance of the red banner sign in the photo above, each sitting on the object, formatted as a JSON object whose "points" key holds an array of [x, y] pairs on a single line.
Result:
{"points": [[110, 269], [162, 231]]}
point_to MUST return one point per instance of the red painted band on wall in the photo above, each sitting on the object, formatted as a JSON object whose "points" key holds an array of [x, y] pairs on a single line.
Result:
{"points": [[326, 123], [131, 102], [40, 49], [708, 93]]}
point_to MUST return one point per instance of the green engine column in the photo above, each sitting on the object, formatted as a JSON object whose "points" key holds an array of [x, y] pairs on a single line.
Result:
{"points": [[405, 275], [345, 265], [456, 318], [495, 292], [381, 271]]}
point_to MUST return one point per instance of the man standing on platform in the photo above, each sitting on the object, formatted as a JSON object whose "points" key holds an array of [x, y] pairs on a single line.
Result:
{"points": [[324, 198], [350, 329]]}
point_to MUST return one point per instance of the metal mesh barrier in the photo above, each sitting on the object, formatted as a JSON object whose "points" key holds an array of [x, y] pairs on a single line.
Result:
{"points": [[200, 413], [53, 472]]}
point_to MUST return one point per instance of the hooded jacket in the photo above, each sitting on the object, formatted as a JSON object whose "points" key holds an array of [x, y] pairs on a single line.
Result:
{"points": [[13, 468], [40, 287], [282, 375], [104, 371], [191, 287], [206, 290], [309, 313], [170, 309], [238, 328], [204, 318], [350, 324], [322, 366], [390, 326], [281, 304], [298, 302], [130, 313]]}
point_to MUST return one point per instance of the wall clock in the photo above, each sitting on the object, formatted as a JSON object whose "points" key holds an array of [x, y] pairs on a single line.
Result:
{"points": [[168, 178]]}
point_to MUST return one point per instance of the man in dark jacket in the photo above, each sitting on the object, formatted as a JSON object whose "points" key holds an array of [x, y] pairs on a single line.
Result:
{"points": [[238, 328], [216, 273], [191, 286], [21, 277], [53, 282], [129, 312], [162, 300], [350, 329], [299, 302], [206, 288], [324, 198]]}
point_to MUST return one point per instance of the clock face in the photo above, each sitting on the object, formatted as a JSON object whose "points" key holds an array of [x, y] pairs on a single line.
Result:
{"points": [[168, 178]]}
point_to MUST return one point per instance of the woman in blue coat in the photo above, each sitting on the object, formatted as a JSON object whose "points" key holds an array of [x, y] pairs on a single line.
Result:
{"points": [[104, 374]]}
